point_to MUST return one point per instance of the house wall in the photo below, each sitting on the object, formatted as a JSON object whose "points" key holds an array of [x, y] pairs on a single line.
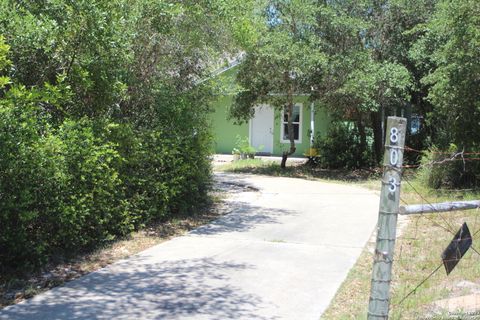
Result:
{"points": [[225, 132]]}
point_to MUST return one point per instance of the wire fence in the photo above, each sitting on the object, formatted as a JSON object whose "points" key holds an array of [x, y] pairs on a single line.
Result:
{"points": [[423, 285]]}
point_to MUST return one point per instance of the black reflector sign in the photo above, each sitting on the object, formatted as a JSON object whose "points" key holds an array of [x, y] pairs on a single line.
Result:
{"points": [[457, 248]]}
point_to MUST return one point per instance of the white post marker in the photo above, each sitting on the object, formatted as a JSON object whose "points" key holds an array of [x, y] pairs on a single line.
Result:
{"points": [[387, 219]]}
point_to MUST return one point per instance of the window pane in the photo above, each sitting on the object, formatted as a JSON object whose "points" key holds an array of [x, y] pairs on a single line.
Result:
{"points": [[296, 132], [296, 114]]}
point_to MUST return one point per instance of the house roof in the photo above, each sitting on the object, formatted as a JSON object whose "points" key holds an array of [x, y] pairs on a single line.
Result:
{"points": [[232, 63], [228, 77]]}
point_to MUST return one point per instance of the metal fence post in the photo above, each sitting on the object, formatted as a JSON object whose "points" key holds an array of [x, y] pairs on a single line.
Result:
{"points": [[387, 218]]}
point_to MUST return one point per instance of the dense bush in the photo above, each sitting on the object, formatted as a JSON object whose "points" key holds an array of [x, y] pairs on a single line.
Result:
{"points": [[449, 169], [340, 148], [163, 174], [60, 188], [69, 183], [66, 189]]}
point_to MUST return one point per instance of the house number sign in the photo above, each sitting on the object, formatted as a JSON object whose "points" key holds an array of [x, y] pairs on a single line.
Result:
{"points": [[394, 136]]}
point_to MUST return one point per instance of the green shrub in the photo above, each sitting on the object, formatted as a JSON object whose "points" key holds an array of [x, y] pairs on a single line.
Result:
{"points": [[243, 147], [59, 187], [340, 148], [162, 174], [67, 189], [92, 207], [60, 190], [448, 169], [21, 184]]}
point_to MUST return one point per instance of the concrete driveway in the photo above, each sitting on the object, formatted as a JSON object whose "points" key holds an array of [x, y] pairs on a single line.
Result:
{"points": [[281, 253]]}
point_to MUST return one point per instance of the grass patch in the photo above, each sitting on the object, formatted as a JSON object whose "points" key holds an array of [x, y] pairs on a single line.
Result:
{"points": [[250, 166], [351, 300], [418, 250], [368, 178]]}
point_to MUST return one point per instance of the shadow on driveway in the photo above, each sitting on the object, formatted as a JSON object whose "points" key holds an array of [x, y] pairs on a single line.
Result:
{"points": [[242, 217], [168, 290]]}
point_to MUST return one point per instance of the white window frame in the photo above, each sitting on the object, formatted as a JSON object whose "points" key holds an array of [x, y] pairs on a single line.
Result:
{"points": [[300, 123]]}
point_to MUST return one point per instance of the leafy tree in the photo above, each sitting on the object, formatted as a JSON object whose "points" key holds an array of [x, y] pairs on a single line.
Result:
{"points": [[396, 26], [449, 50], [81, 41], [278, 66], [365, 93], [358, 84]]}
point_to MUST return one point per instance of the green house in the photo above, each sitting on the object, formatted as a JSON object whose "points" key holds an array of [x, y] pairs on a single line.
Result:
{"points": [[267, 130]]}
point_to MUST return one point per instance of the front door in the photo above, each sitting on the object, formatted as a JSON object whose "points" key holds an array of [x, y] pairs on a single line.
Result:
{"points": [[261, 129]]}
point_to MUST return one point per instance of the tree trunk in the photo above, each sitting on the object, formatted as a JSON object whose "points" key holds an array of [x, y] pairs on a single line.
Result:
{"points": [[376, 120], [363, 140], [291, 135], [283, 164]]}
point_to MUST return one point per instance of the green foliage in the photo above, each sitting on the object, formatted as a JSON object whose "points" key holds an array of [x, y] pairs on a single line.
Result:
{"points": [[447, 168], [66, 189], [4, 48], [161, 176], [448, 51], [375, 85], [82, 41], [365, 80], [278, 66], [284, 56], [4, 62], [60, 189], [103, 125], [340, 148], [243, 147], [450, 48], [93, 208]]}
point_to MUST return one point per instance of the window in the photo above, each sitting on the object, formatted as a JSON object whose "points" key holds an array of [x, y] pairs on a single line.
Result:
{"points": [[297, 124]]}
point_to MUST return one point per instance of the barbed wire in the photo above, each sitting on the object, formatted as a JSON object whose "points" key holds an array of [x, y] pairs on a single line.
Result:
{"points": [[432, 206], [407, 148], [453, 157], [457, 156], [412, 291], [419, 285]]}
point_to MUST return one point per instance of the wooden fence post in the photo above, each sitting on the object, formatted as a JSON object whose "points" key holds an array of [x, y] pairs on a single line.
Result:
{"points": [[387, 218]]}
